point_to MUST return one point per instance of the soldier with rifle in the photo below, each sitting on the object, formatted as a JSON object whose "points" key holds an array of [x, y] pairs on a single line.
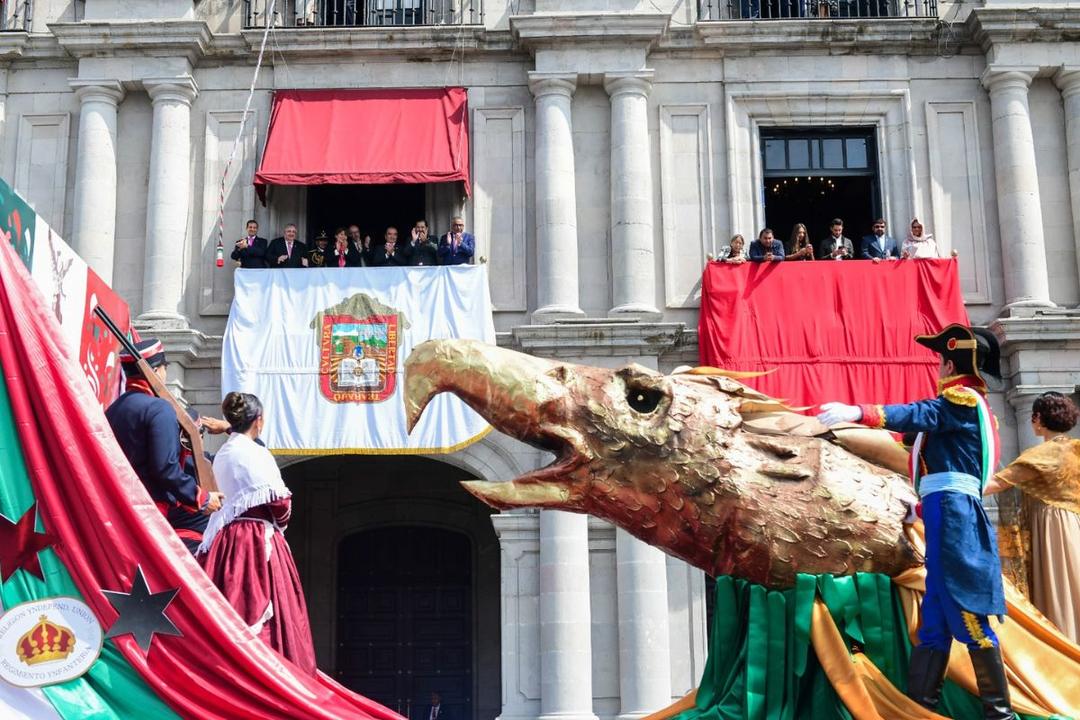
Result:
{"points": [[148, 428]]}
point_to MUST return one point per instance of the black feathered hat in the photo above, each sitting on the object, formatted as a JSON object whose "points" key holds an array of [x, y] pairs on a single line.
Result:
{"points": [[974, 351]]}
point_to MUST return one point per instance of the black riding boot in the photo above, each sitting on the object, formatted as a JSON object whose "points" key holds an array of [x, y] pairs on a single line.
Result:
{"points": [[993, 685], [926, 675]]}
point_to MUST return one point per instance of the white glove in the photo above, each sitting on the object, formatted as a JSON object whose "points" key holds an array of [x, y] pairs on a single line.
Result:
{"points": [[835, 413]]}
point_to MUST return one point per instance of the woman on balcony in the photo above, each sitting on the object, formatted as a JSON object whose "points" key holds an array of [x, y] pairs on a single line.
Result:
{"points": [[918, 244], [800, 247], [735, 252]]}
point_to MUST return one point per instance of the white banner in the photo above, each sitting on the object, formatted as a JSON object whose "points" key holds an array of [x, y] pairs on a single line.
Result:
{"points": [[324, 350]]}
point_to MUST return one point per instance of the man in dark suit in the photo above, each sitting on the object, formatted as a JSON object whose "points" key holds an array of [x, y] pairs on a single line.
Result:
{"points": [[360, 245], [878, 245], [457, 246], [286, 251], [836, 246], [423, 249], [389, 253], [250, 250], [436, 710]]}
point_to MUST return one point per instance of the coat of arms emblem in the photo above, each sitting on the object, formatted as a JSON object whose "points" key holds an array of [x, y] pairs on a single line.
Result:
{"points": [[358, 350]]}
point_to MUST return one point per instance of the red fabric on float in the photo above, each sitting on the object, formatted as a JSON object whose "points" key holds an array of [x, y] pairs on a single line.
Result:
{"points": [[830, 331], [371, 136], [106, 525]]}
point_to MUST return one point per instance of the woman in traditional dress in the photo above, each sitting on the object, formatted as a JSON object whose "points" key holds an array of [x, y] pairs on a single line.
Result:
{"points": [[1049, 474], [244, 550]]}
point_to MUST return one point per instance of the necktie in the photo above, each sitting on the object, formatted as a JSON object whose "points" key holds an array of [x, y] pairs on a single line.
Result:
{"points": [[288, 249], [341, 259]]}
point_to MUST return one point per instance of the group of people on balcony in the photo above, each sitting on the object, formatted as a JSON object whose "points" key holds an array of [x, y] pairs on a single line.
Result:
{"points": [[349, 248], [877, 246]]}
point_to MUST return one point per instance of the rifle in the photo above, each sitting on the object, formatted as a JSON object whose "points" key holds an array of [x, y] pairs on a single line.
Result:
{"points": [[204, 473]]}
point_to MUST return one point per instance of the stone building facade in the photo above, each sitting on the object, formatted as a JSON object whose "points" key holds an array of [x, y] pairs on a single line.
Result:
{"points": [[615, 144]]}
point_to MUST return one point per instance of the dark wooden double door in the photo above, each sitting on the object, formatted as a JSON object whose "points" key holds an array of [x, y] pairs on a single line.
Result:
{"points": [[404, 622]]}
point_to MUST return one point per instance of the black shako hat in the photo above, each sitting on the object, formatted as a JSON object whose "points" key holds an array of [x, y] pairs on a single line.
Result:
{"points": [[974, 351], [151, 350]]}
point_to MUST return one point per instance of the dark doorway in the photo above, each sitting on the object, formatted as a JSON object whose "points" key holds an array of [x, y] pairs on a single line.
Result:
{"points": [[372, 207], [813, 175], [405, 619], [815, 201]]}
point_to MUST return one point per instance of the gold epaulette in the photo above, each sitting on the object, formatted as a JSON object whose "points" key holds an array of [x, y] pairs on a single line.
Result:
{"points": [[960, 396]]}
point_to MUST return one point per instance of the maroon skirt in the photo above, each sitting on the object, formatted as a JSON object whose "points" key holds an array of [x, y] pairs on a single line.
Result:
{"points": [[254, 585]]}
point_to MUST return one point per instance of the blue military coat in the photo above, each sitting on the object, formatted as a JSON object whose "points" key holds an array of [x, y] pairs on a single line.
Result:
{"points": [[961, 541], [147, 431]]}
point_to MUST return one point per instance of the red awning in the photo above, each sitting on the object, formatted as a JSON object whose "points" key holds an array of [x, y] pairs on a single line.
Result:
{"points": [[370, 136]]}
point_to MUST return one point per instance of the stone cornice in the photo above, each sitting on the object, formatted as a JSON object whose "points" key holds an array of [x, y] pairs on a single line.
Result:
{"points": [[595, 337], [425, 41], [915, 36], [1021, 396], [183, 38], [990, 26], [1038, 328], [531, 31], [188, 347], [12, 45]]}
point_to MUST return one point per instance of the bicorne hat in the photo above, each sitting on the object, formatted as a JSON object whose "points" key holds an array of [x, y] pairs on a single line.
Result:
{"points": [[974, 351]]}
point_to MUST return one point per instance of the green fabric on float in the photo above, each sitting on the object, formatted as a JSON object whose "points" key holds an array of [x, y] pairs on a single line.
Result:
{"points": [[111, 689], [761, 665]]}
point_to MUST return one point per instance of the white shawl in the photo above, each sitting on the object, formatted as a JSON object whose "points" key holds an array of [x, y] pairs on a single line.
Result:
{"points": [[248, 477]]}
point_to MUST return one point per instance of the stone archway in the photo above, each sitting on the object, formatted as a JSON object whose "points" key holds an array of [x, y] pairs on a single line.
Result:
{"points": [[336, 497]]}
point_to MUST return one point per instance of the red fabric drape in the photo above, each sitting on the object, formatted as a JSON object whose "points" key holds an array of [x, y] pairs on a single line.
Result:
{"points": [[106, 524], [830, 330], [370, 136]]}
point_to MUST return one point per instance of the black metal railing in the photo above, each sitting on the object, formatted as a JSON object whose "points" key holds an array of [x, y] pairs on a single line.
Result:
{"points": [[16, 15], [814, 9], [362, 13]]}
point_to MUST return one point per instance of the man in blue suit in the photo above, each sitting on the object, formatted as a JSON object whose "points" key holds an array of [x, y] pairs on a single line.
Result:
{"points": [[879, 246], [457, 246]]}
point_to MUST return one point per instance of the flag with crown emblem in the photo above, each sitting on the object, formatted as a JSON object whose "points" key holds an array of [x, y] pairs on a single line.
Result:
{"points": [[105, 613]]}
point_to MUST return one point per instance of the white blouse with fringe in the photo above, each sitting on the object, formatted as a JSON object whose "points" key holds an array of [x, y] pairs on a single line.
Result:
{"points": [[248, 477]]}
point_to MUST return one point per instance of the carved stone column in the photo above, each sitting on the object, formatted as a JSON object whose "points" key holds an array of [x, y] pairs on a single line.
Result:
{"points": [[1023, 253], [168, 203], [94, 228], [565, 618], [556, 200], [633, 261], [1068, 81]]}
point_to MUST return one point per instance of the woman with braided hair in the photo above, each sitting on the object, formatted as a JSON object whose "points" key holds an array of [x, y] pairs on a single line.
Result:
{"points": [[244, 550]]}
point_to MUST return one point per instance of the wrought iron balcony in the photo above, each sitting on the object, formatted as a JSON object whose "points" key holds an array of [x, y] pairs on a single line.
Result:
{"points": [[16, 15], [363, 13], [814, 9]]}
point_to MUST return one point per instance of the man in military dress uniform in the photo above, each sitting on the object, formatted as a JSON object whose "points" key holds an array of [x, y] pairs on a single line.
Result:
{"points": [[953, 457], [317, 256], [148, 432]]}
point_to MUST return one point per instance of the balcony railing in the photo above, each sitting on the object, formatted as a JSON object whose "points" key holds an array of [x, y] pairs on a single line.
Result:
{"points": [[16, 15], [814, 9], [363, 13]]}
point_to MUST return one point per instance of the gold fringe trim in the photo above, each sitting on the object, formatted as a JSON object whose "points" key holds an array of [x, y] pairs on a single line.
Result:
{"points": [[958, 396], [383, 451]]}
